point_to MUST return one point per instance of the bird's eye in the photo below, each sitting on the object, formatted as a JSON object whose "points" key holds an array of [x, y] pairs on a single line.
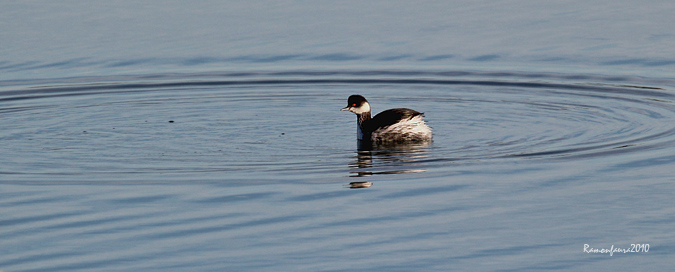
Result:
{"points": [[354, 105]]}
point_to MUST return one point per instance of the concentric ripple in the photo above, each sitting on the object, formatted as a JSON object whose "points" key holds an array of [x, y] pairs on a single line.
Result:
{"points": [[286, 125], [554, 121]]}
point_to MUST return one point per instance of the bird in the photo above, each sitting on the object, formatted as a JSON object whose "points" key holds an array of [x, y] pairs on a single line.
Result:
{"points": [[392, 126]]}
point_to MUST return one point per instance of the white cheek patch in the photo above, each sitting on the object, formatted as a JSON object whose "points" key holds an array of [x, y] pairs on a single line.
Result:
{"points": [[364, 108]]}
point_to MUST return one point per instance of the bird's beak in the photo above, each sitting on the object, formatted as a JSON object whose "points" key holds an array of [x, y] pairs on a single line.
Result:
{"points": [[345, 108]]}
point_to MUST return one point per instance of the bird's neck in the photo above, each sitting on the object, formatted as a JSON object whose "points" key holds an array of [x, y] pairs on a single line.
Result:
{"points": [[361, 132], [361, 118]]}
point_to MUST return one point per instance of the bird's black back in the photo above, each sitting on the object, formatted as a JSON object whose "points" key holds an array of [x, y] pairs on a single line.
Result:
{"points": [[388, 118]]}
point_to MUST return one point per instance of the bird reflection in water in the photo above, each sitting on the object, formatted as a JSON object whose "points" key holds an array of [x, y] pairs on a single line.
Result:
{"points": [[360, 184], [370, 157]]}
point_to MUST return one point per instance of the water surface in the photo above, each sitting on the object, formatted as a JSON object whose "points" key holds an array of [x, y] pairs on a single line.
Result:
{"points": [[163, 136]]}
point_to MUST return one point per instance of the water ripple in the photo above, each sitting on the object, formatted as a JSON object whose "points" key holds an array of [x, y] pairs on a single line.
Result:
{"points": [[107, 126]]}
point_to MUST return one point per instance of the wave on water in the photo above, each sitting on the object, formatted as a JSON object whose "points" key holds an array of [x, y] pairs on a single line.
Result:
{"points": [[171, 125]]}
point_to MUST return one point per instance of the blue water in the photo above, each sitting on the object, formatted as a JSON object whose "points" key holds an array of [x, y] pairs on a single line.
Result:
{"points": [[207, 136]]}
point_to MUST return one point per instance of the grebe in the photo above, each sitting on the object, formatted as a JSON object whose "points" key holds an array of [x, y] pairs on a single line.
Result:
{"points": [[391, 126]]}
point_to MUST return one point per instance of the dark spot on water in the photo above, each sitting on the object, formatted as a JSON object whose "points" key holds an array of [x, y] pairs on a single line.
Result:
{"points": [[624, 146], [170, 121]]}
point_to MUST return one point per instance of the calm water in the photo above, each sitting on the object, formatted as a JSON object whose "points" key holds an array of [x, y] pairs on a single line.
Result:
{"points": [[166, 136]]}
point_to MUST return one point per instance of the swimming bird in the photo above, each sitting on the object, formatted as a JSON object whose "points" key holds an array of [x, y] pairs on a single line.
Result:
{"points": [[398, 125]]}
